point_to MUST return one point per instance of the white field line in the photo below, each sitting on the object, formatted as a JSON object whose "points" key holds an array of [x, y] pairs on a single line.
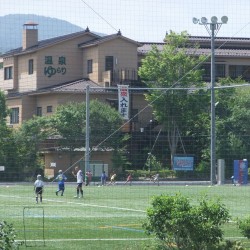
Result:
{"points": [[78, 203], [109, 239]]}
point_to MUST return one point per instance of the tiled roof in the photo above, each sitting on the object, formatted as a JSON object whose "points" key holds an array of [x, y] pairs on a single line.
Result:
{"points": [[221, 52], [47, 43], [77, 86], [221, 42], [70, 87], [146, 47], [227, 46], [105, 39], [220, 39]]}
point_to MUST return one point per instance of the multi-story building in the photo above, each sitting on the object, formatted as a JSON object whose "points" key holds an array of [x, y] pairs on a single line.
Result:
{"points": [[41, 75]]}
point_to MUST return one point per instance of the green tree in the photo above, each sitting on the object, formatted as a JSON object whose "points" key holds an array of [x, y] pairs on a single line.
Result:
{"points": [[28, 138], [105, 122], [180, 225], [232, 121], [3, 109], [67, 127], [8, 147], [179, 111], [69, 122], [239, 121]]}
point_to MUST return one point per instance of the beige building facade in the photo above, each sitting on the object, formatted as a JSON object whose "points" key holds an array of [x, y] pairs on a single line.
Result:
{"points": [[42, 75]]}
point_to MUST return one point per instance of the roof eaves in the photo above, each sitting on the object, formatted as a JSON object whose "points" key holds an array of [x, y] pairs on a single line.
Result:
{"points": [[106, 39], [77, 86], [47, 43]]}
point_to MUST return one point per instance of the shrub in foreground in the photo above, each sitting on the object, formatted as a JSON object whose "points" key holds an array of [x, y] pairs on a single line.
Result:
{"points": [[244, 226], [8, 236], [179, 225]]}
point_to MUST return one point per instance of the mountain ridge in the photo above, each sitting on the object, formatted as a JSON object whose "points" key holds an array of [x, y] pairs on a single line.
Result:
{"points": [[11, 27]]}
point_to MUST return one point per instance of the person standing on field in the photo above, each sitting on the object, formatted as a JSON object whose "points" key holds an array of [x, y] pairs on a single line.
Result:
{"points": [[112, 179], [86, 179], [156, 178], [103, 178], [89, 176], [61, 178], [38, 188], [129, 179], [79, 180]]}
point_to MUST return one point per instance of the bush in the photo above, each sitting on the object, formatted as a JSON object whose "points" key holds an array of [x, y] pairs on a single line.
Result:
{"points": [[8, 236], [244, 226], [165, 173], [175, 222]]}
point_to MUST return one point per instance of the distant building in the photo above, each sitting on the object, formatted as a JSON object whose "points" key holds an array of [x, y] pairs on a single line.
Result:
{"points": [[41, 75]]}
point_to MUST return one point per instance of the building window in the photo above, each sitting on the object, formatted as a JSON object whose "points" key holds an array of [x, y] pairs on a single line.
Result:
{"points": [[8, 73], [1, 65], [109, 63], [219, 71], [90, 66], [31, 68], [49, 109], [14, 116], [239, 71], [39, 111]]}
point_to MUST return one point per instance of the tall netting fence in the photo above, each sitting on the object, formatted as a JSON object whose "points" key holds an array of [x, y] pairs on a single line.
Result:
{"points": [[101, 121]]}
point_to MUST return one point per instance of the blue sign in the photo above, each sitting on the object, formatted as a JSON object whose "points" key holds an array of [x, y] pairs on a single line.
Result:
{"points": [[240, 171], [184, 163]]}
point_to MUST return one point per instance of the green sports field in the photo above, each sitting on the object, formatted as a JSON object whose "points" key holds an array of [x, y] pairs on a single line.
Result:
{"points": [[108, 217]]}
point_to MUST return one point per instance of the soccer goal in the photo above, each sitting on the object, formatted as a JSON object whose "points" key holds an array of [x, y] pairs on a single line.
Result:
{"points": [[33, 225]]}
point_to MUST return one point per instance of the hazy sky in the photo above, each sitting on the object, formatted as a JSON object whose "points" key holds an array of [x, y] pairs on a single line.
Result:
{"points": [[141, 20]]}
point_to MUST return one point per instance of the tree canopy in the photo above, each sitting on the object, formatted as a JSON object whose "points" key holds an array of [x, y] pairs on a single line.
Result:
{"points": [[3, 108], [8, 147], [178, 107], [69, 122], [67, 127]]}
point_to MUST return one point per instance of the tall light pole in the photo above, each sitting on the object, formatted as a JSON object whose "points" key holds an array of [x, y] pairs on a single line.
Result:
{"points": [[212, 28], [87, 131], [150, 150]]}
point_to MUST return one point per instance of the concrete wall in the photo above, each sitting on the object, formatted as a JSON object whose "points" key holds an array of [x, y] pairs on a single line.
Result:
{"points": [[63, 162]]}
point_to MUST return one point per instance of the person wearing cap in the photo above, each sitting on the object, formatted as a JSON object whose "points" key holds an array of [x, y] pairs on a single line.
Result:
{"points": [[61, 178], [38, 187]]}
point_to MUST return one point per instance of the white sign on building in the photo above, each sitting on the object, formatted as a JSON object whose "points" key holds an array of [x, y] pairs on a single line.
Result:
{"points": [[123, 101], [53, 164]]}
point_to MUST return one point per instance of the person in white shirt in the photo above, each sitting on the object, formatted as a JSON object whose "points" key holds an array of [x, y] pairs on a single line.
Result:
{"points": [[79, 179], [38, 187], [112, 179], [156, 178]]}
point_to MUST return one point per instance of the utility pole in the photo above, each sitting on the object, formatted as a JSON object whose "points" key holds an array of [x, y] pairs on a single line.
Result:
{"points": [[211, 27]]}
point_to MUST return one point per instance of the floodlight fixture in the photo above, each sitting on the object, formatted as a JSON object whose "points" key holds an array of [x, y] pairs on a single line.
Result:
{"points": [[195, 20], [204, 20], [224, 19], [214, 19]]}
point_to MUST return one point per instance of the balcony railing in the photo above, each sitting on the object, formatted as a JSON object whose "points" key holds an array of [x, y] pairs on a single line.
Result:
{"points": [[119, 76]]}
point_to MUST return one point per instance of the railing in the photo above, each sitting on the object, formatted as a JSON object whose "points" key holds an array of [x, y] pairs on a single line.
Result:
{"points": [[120, 76]]}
